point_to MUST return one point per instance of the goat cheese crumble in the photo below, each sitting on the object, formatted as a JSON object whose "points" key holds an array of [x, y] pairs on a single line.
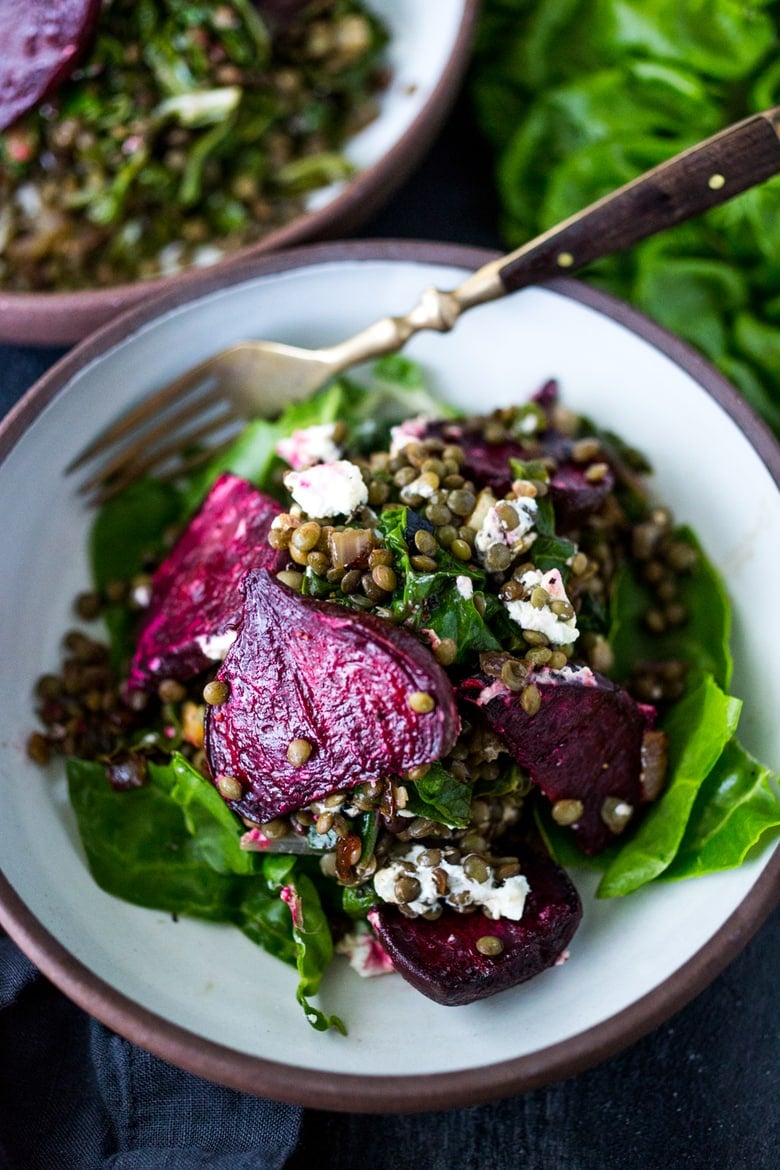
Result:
{"points": [[532, 612], [494, 530], [309, 445], [328, 489], [498, 901]]}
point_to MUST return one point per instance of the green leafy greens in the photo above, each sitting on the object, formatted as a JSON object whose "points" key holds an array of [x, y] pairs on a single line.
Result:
{"points": [[173, 845], [579, 96]]}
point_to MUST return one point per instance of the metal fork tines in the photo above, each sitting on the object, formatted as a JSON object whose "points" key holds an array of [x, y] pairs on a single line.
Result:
{"points": [[189, 420], [175, 430]]}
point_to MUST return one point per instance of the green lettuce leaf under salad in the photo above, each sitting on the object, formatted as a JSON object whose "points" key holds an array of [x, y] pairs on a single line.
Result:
{"points": [[168, 840], [578, 97]]}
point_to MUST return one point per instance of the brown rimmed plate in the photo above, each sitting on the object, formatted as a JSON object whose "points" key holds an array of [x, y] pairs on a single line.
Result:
{"points": [[202, 996]]}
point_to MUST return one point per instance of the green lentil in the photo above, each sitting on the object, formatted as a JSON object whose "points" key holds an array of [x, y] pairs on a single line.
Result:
{"points": [[476, 868], [378, 492], [421, 702], [423, 564], [489, 945], [292, 578], [460, 549], [514, 674], [406, 889], [229, 787], [461, 502], [535, 638], [372, 591], [299, 751], [425, 542], [379, 556], [351, 581], [384, 578], [446, 534], [498, 558], [507, 515], [216, 692], [171, 691], [539, 597], [305, 538], [538, 655], [446, 652], [438, 514], [567, 812], [318, 562], [681, 556], [530, 699]]}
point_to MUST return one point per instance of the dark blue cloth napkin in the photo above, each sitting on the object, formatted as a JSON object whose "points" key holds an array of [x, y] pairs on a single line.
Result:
{"points": [[75, 1096]]}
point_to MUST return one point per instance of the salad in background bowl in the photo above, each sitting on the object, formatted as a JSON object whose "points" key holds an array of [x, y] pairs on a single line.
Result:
{"points": [[632, 957], [177, 136]]}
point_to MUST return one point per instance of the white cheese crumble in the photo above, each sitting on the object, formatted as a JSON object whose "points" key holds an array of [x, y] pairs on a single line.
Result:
{"points": [[581, 675], [498, 901], [465, 587], [206, 255], [559, 631], [142, 595], [28, 200], [410, 431], [493, 530], [328, 489], [365, 953], [170, 259], [216, 646], [309, 445]]}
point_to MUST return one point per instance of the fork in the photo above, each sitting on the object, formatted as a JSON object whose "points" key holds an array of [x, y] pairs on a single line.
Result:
{"points": [[175, 429]]}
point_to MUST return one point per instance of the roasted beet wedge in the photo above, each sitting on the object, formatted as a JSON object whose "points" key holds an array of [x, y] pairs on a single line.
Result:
{"points": [[575, 496], [343, 695], [196, 597], [583, 747], [441, 958], [41, 42], [573, 493]]}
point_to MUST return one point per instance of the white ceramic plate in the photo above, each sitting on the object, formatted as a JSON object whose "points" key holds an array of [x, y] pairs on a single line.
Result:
{"points": [[427, 54], [202, 995]]}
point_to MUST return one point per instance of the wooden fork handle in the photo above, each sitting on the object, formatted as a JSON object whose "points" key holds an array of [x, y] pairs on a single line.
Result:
{"points": [[710, 173], [702, 177]]}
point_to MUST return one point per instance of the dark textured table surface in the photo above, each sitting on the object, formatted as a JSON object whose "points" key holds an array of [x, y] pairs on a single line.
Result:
{"points": [[700, 1091]]}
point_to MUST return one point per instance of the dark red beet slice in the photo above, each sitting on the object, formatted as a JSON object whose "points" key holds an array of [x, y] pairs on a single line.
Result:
{"points": [[441, 959], [41, 42], [583, 744], [339, 680], [196, 591], [573, 496]]}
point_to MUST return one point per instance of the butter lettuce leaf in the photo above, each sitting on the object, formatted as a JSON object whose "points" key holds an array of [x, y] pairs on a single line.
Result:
{"points": [[736, 810], [170, 845], [577, 97], [699, 727]]}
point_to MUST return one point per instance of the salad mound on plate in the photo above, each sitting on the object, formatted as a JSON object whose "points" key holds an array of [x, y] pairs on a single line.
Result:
{"points": [[382, 675]]}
